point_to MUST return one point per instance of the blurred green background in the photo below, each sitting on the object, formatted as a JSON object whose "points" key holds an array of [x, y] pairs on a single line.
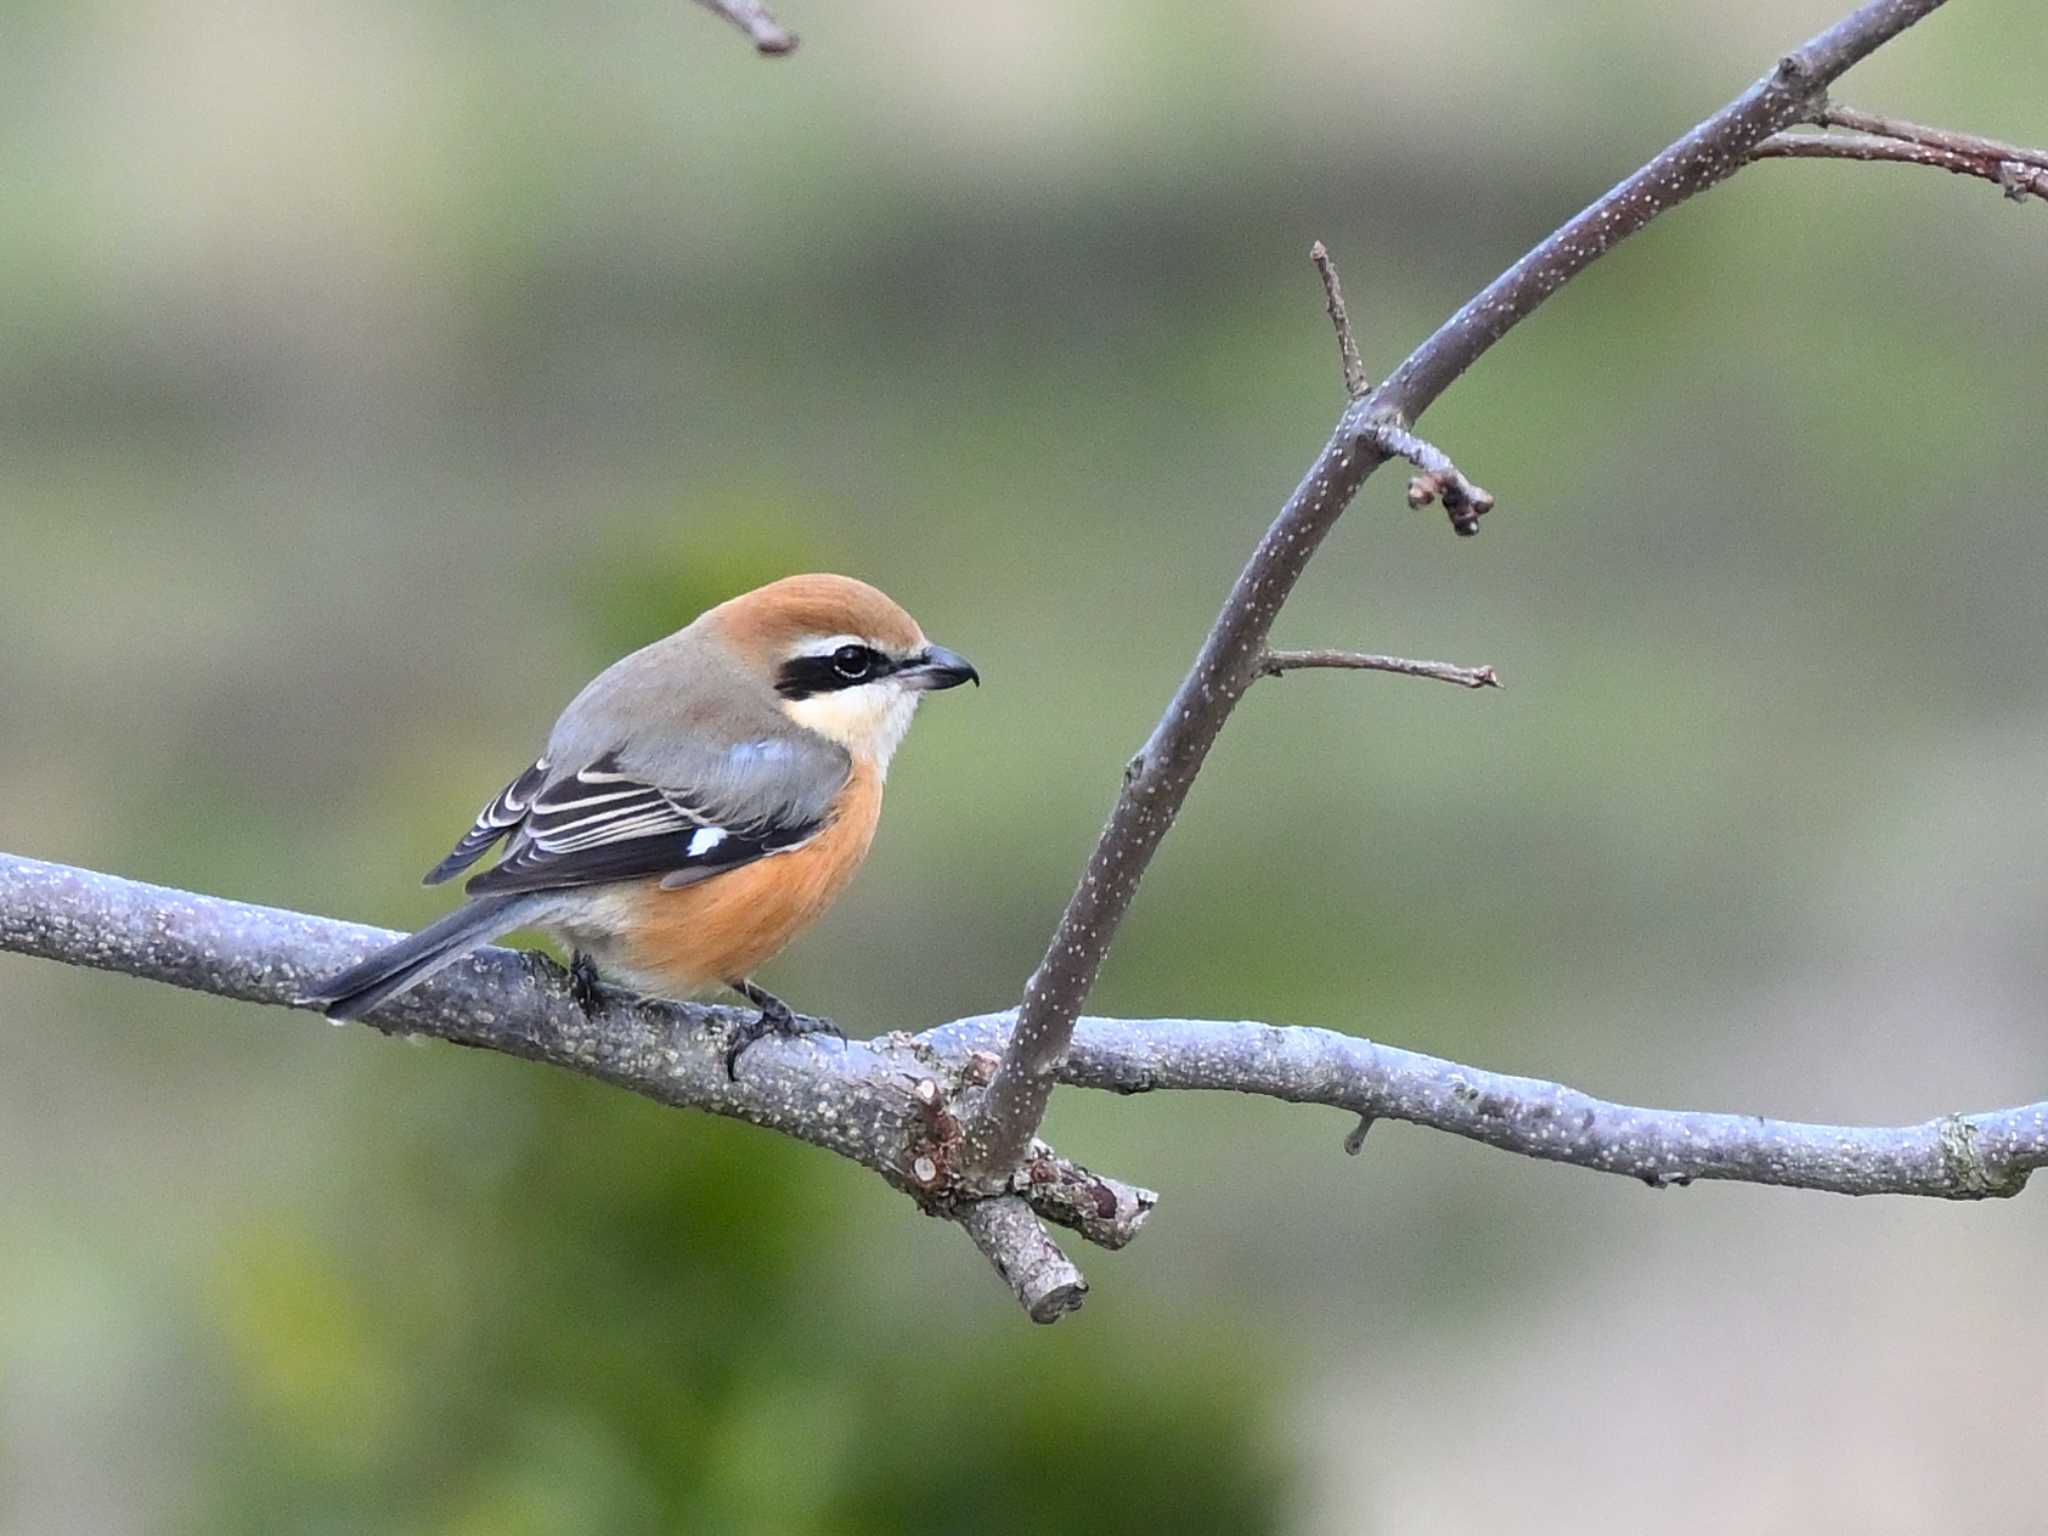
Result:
{"points": [[371, 374]]}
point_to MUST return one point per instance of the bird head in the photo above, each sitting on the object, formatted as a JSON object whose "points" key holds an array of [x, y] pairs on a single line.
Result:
{"points": [[846, 661]]}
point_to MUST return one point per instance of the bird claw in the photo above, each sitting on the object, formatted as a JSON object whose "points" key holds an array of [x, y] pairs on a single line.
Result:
{"points": [[775, 1018], [584, 985], [545, 968]]}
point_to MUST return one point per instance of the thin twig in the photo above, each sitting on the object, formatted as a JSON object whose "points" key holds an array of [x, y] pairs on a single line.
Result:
{"points": [[2015, 178], [1277, 662], [1832, 114], [2022, 181], [751, 17], [1355, 381], [2015, 170], [1156, 781]]}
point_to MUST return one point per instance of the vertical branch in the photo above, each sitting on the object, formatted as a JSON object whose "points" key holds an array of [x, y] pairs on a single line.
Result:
{"points": [[1157, 780]]}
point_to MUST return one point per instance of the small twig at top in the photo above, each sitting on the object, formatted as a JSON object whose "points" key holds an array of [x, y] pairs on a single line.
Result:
{"points": [[1355, 382], [1277, 662], [752, 18]]}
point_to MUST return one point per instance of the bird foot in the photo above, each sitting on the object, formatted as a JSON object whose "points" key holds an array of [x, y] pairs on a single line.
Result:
{"points": [[584, 985], [776, 1018], [579, 975]]}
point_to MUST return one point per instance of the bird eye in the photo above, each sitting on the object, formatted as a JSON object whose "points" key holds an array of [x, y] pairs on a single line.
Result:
{"points": [[852, 662]]}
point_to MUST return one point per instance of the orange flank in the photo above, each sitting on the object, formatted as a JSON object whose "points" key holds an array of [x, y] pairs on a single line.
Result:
{"points": [[722, 928]]}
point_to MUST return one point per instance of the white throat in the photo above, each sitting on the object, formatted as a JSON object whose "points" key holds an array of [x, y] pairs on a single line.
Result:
{"points": [[869, 721]]}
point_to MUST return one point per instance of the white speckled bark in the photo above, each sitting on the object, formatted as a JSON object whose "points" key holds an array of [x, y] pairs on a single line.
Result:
{"points": [[856, 1099]]}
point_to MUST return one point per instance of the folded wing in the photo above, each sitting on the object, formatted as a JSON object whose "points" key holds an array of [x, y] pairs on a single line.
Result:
{"points": [[603, 823], [492, 822]]}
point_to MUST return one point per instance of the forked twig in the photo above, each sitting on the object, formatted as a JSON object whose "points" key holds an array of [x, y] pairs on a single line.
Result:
{"points": [[999, 1128], [2018, 172]]}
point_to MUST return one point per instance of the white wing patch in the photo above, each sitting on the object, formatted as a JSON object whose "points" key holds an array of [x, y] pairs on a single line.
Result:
{"points": [[600, 825]]}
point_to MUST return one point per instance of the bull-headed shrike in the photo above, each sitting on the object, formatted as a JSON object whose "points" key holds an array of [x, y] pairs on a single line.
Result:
{"points": [[699, 804]]}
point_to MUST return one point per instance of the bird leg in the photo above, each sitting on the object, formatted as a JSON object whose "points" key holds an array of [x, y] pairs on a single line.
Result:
{"points": [[776, 1019], [586, 989], [584, 985]]}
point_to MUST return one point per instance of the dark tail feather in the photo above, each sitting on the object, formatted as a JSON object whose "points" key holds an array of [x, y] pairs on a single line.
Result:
{"points": [[412, 960]]}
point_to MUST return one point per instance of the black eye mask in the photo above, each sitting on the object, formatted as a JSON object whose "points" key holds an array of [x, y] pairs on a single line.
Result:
{"points": [[848, 667]]}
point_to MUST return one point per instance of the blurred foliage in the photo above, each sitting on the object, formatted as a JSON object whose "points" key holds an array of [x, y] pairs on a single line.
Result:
{"points": [[649, 584], [627, 1323], [373, 374]]}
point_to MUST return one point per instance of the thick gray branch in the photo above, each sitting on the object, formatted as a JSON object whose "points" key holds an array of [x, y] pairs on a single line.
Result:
{"points": [[1157, 780], [885, 1103], [880, 1102], [1956, 1157]]}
